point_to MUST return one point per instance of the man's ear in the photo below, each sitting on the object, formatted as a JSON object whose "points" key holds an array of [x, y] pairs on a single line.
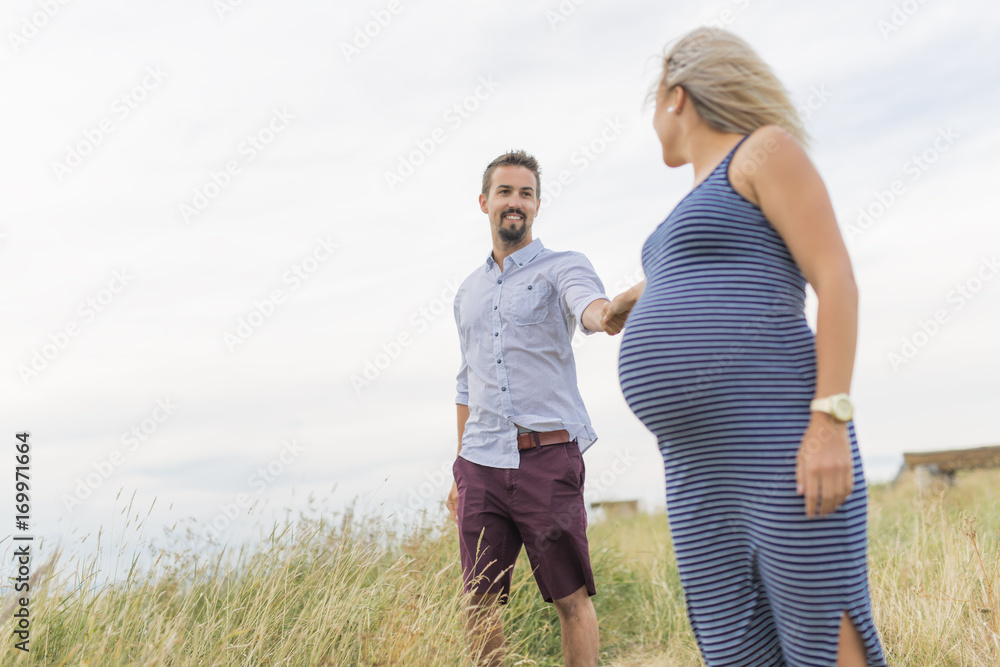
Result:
{"points": [[482, 204]]}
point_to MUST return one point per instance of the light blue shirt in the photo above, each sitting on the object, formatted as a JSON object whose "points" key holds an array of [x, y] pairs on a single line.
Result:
{"points": [[515, 329]]}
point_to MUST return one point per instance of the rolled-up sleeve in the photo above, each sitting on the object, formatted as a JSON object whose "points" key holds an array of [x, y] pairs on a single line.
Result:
{"points": [[462, 379], [579, 287]]}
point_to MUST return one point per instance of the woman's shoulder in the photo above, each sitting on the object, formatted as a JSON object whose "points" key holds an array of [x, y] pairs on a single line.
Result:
{"points": [[768, 140], [767, 153]]}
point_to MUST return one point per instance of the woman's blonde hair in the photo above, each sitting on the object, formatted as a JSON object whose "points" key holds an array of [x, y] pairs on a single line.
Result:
{"points": [[731, 87]]}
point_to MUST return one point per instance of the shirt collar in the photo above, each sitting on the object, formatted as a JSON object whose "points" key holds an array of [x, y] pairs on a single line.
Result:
{"points": [[521, 256]]}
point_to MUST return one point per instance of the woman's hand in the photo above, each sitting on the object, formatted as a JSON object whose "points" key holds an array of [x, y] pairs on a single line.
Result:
{"points": [[824, 469]]}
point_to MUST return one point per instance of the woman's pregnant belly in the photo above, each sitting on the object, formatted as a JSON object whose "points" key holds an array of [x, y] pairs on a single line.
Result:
{"points": [[684, 359]]}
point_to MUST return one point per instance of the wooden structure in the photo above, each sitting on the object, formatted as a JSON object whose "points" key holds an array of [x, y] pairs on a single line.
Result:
{"points": [[955, 459], [616, 509], [932, 468]]}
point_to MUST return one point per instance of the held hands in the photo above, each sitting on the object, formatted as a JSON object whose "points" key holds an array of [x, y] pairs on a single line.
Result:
{"points": [[824, 469], [616, 311]]}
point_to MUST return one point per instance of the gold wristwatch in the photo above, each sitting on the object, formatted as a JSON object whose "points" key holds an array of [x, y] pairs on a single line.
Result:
{"points": [[838, 406]]}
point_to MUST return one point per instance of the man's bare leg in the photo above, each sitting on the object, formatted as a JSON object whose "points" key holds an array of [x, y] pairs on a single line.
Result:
{"points": [[485, 630], [580, 638]]}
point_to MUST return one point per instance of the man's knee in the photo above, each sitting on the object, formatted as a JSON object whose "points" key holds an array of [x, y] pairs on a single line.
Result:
{"points": [[574, 603], [485, 600]]}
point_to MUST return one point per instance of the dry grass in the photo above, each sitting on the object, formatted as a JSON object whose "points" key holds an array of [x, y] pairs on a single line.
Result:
{"points": [[935, 571], [353, 592]]}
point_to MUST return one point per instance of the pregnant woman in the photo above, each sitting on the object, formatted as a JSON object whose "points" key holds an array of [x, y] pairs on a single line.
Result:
{"points": [[765, 492]]}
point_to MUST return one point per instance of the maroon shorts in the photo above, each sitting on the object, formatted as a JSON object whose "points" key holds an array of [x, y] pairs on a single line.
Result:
{"points": [[539, 505]]}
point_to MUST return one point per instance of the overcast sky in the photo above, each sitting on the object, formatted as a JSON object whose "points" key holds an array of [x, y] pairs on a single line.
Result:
{"points": [[218, 215]]}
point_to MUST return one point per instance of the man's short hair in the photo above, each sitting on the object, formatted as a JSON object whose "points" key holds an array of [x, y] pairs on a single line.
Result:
{"points": [[514, 159]]}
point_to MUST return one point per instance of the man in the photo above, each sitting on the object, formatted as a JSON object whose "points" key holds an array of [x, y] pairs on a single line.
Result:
{"points": [[522, 425]]}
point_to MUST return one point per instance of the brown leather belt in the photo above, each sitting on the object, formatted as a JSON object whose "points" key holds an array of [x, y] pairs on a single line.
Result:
{"points": [[536, 439]]}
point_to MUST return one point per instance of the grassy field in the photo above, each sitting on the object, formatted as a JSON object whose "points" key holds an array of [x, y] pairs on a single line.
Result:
{"points": [[348, 592]]}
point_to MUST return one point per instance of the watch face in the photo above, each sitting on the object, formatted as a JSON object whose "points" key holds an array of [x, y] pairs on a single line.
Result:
{"points": [[843, 410]]}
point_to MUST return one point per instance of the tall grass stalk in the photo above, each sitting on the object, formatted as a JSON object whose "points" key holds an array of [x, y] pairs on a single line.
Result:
{"points": [[350, 590]]}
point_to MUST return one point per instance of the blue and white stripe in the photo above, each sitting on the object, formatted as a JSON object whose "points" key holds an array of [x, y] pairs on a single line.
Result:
{"points": [[718, 362]]}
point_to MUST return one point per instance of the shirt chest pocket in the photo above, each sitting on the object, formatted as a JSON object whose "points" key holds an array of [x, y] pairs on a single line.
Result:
{"points": [[529, 304]]}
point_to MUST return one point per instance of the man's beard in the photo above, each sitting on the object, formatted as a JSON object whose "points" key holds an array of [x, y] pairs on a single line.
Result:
{"points": [[508, 235]]}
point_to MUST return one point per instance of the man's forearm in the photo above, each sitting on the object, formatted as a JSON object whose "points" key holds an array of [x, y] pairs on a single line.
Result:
{"points": [[463, 416]]}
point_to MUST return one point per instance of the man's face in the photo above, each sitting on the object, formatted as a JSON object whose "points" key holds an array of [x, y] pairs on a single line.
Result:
{"points": [[511, 203]]}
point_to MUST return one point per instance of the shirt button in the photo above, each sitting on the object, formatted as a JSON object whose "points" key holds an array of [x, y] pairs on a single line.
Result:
{"points": [[498, 361], [499, 281], [494, 307], [520, 264], [496, 333], [503, 388], [529, 286]]}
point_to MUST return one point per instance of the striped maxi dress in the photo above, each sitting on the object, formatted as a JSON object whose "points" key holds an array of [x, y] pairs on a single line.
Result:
{"points": [[717, 360]]}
